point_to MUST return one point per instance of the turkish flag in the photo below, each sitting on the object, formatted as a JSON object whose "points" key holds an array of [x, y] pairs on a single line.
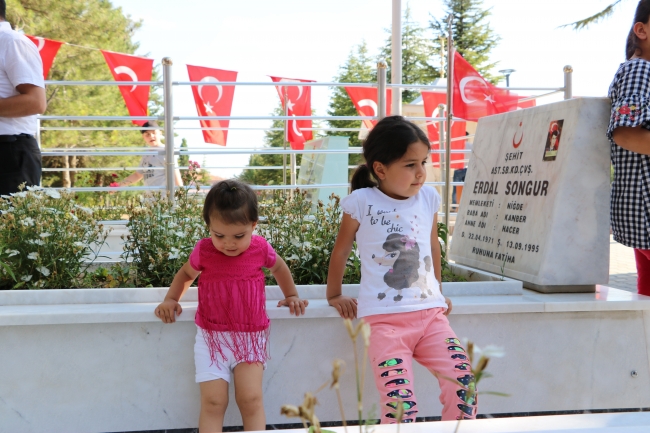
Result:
{"points": [[47, 48], [213, 99], [366, 103], [431, 102], [474, 97], [526, 104], [299, 104], [125, 67]]}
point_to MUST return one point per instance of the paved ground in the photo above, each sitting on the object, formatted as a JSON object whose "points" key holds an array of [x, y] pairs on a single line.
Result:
{"points": [[622, 267]]}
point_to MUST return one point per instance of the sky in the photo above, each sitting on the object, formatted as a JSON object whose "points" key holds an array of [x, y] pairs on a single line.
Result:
{"points": [[312, 39]]}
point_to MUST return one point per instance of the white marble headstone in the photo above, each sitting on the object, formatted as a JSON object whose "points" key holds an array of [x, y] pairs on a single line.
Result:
{"points": [[535, 206]]}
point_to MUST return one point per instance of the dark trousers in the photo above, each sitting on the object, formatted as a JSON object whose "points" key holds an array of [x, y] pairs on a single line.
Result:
{"points": [[20, 162]]}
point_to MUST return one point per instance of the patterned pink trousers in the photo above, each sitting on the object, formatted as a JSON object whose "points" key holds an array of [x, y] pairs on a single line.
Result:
{"points": [[396, 339]]}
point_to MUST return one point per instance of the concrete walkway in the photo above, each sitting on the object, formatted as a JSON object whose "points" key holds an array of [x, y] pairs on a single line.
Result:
{"points": [[622, 267]]}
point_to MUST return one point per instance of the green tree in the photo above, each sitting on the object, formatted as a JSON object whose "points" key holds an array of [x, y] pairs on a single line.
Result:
{"points": [[88, 23], [417, 54], [275, 139], [595, 18], [473, 37], [183, 160], [358, 68]]}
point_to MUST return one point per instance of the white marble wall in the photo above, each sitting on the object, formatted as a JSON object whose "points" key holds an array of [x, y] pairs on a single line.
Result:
{"points": [[115, 367]]}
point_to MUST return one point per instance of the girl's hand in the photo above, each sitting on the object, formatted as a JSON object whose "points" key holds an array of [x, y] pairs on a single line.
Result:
{"points": [[167, 310], [296, 305], [449, 306], [345, 305]]}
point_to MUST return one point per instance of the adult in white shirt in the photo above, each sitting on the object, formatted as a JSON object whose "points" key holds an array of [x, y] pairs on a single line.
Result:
{"points": [[22, 97], [150, 165]]}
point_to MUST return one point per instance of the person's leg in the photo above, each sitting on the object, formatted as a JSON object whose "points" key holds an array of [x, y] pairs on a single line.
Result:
{"points": [[392, 338], [20, 163], [440, 351], [643, 271], [248, 394], [214, 401]]}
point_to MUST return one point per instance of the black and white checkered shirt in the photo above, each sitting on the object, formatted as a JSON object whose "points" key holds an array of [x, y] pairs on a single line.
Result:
{"points": [[630, 205]]}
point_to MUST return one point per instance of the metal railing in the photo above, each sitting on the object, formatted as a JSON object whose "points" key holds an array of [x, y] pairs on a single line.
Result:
{"points": [[168, 85]]}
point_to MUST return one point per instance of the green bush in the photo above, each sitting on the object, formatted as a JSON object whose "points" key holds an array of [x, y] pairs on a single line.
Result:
{"points": [[47, 240], [304, 235]]}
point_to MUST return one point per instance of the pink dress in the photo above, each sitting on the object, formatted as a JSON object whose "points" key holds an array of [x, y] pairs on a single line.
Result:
{"points": [[232, 299]]}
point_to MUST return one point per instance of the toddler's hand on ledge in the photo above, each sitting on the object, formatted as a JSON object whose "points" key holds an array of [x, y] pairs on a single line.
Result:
{"points": [[449, 306], [168, 310], [296, 305], [345, 305]]}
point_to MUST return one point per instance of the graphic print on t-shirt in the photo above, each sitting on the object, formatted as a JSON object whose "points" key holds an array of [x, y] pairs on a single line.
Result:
{"points": [[401, 255]]}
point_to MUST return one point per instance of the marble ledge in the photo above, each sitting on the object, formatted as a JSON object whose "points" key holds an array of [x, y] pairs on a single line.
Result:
{"points": [[605, 299]]}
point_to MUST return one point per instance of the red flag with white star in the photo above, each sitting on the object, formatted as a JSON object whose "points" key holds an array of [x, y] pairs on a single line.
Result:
{"points": [[474, 97], [365, 101], [431, 102], [213, 99], [125, 67], [299, 104], [48, 49]]}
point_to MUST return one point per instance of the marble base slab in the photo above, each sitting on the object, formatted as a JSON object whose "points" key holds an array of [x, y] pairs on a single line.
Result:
{"points": [[562, 288]]}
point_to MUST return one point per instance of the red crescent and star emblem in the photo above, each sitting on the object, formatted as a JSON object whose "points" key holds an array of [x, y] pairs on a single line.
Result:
{"points": [[515, 143]]}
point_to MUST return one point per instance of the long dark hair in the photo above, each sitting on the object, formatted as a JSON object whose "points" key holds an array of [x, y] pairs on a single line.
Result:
{"points": [[231, 201], [387, 142], [642, 15]]}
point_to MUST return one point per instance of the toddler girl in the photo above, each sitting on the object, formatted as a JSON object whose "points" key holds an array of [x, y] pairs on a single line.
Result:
{"points": [[394, 219], [233, 327]]}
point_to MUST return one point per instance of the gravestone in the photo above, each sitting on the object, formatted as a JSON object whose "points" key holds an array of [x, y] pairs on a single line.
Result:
{"points": [[536, 200], [325, 168]]}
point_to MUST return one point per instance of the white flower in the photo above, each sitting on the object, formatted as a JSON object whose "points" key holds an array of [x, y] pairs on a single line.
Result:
{"points": [[26, 278], [306, 244], [52, 193], [5, 196], [44, 235], [20, 194], [28, 222], [34, 188], [79, 244], [36, 242], [85, 209], [43, 270], [32, 256], [293, 257], [12, 253], [174, 253], [179, 234], [307, 257], [151, 267]]}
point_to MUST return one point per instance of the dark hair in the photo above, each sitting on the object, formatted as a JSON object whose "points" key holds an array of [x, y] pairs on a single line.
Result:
{"points": [[642, 15], [3, 9], [388, 141], [231, 201], [405, 269], [151, 124]]}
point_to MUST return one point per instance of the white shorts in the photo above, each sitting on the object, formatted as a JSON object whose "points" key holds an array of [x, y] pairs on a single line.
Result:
{"points": [[206, 370]]}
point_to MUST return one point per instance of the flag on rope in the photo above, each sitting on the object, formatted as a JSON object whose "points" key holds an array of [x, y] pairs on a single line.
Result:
{"points": [[298, 104], [431, 102], [474, 97], [366, 103], [48, 49], [213, 99], [125, 67]]}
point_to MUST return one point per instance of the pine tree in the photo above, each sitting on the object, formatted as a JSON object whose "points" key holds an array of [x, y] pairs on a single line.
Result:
{"points": [[271, 139], [417, 54], [89, 23], [358, 68], [473, 37]]}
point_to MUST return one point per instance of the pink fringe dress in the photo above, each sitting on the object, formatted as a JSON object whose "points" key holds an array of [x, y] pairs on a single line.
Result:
{"points": [[232, 299]]}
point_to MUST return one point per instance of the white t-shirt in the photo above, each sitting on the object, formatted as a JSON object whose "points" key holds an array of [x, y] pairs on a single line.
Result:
{"points": [[20, 63], [394, 241]]}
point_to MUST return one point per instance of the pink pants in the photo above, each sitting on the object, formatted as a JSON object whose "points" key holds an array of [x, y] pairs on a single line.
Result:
{"points": [[642, 271], [396, 339]]}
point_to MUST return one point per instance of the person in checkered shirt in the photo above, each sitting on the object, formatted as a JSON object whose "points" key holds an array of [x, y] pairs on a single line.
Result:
{"points": [[629, 135]]}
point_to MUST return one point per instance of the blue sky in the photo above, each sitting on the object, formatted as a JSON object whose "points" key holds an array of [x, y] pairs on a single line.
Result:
{"points": [[310, 39]]}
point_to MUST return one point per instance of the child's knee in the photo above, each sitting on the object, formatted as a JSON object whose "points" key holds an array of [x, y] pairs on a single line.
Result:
{"points": [[249, 398], [214, 403]]}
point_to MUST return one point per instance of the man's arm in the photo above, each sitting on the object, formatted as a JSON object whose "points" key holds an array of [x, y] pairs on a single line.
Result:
{"points": [[635, 139], [30, 101]]}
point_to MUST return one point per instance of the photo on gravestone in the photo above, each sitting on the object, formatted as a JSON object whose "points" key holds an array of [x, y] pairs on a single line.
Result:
{"points": [[521, 217], [553, 140]]}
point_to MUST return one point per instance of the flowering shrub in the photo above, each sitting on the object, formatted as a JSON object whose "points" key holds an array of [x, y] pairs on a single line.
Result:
{"points": [[47, 240], [304, 235], [163, 235]]}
